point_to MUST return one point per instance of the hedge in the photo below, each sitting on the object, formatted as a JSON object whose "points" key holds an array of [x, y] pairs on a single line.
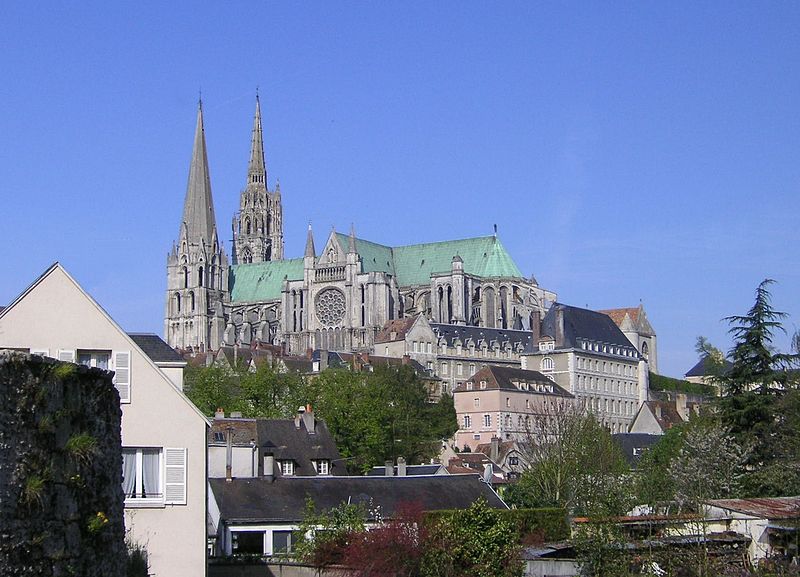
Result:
{"points": [[548, 524]]}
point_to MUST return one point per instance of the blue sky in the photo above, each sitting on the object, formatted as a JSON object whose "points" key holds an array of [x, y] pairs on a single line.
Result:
{"points": [[627, 151]]}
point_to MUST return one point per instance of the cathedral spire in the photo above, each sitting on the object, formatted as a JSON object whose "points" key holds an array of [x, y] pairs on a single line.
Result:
{"points": [[310, 243], [257, 168], [351, 243], [198, 208]]}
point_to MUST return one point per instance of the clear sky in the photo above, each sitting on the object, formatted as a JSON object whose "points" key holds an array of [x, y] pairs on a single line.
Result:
{"points": [[626, 151]]}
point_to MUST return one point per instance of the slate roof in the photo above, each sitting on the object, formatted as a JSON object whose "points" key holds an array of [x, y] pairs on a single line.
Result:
{"points": [[155, 348], [503, 449], [283, 500], [505, 377], [452, 333], [703, 368], [633, 445], [583, 324], [284, 440], [410, 265], [342, 360], [398, 326], [411, 470], [763, 508]]}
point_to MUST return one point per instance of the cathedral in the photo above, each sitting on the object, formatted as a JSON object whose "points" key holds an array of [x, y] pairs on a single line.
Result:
{"points": [[337, 298]]}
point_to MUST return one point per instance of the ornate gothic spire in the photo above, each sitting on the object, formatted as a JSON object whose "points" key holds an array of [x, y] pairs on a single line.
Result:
{"points": [[351, 242], [198, 208], [257, 168]]}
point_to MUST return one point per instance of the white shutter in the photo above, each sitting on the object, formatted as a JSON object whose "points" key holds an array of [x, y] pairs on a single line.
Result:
{"points": [[122, 375], [66, 356], [175, 476]]}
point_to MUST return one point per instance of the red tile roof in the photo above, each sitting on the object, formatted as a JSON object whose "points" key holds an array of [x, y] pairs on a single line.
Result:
{"points": [[618, 315], [398, 326]]}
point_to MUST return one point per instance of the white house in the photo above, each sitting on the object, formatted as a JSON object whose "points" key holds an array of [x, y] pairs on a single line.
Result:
{"points": [[163, 433]]}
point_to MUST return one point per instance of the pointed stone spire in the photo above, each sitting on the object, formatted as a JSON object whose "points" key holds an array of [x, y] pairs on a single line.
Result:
{"points": [[310, 243], [351, 243], [198, 208], [257, 168]]}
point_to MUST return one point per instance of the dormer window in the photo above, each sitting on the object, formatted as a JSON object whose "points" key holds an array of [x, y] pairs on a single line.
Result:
{"points": [[483, 384], [287, 467], [547, 345], [322, 466]]}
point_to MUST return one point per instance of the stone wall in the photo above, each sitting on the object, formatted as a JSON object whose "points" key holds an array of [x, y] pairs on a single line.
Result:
{"points": [[61, 501]]}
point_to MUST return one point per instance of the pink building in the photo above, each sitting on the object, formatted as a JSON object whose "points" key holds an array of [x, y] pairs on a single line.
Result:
{"points": [[500, 401]]}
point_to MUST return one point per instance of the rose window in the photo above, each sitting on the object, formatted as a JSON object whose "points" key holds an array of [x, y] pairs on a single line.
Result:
{"points": [[330, 307]]}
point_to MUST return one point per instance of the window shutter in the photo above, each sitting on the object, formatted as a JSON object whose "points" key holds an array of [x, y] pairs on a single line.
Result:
{"points": [[175, 476], [66, 356], [122, 375]]}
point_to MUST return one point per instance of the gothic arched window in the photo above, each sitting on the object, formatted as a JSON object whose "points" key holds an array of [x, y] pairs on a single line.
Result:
{"points": [[200, 276], [191, 296], [177, 302]]}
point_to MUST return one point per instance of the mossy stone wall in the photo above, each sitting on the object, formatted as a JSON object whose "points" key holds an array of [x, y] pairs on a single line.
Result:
{"points": [[61, 500]]}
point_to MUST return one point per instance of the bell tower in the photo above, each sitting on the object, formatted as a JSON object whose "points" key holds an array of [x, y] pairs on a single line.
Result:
{"points": [[258, 226], [197, 267]]}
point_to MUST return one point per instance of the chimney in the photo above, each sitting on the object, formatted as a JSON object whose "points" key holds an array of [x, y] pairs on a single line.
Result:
{"points": [[389, 466], [494, 449], [309, 421], [298, 416], [229, 455], [220, 414], [658, 411], [209, 358], [559, 336], [536, 328], [406, 359], [269, 467], [401, 467]]}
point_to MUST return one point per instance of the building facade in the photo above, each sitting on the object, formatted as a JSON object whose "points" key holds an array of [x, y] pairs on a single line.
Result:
{"points": [[587, 354], [338, 298], [163, 433]]}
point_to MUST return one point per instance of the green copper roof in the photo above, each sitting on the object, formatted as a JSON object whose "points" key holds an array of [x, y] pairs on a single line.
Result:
{"points": [[410, 265], [483, 256], [374, 256], [262, 281]]}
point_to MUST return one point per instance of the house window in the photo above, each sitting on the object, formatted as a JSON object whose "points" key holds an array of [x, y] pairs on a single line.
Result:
{"points": [[444, 368], [483, 384], [322, 466], [141, 474], [467, 422], [287, 468], [508, 401], [477, 402], [281, 542], [547, 364], [487, 420], [469, 385], [472, 368], [513, 460], [429, 347], [459, 369], [247, 542], [97, 359], [416, 346]]}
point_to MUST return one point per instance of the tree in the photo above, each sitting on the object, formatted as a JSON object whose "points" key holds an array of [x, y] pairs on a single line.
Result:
{"points": [[655, 485], [756, 365], [574, 464], [269, 394], [759, 400], [382, 415], [210, 388]]}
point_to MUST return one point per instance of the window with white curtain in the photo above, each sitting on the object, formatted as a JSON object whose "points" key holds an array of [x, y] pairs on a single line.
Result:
{"points": [[141, 474]]}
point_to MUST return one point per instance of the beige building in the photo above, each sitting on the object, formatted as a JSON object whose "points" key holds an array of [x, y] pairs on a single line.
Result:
{"points": [[163, 434], [587, 354], [499, 402]]}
